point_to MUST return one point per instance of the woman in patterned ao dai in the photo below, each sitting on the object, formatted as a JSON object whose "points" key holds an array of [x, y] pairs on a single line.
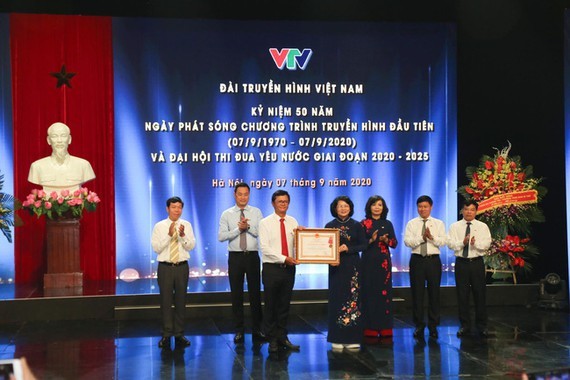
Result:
{"points": [[345, 325]]}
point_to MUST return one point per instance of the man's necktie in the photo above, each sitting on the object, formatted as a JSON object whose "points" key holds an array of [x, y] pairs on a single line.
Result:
{"points": [[284, 247], [242, 234], [174, 247], [467, 232], [423, 246]]}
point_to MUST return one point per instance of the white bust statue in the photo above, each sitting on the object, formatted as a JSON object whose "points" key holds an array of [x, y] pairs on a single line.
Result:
{"points": [[60, 171]]}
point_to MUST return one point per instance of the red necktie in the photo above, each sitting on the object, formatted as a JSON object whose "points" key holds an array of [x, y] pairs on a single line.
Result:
{"points": [[284, 248]]}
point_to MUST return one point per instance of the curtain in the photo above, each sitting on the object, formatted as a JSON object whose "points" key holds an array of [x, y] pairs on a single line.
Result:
{"points": [[41, 45]]}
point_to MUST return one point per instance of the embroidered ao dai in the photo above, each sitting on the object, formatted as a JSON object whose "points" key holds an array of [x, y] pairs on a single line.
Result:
{"points": [[376, 279], [344, 315]]}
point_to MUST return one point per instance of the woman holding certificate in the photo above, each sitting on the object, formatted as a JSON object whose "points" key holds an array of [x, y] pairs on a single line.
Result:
{"points": [[377, 269], [345, 325]]}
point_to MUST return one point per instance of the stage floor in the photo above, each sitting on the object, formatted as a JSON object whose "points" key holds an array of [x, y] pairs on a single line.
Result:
{"points": [[9, 291], [524, 339]]}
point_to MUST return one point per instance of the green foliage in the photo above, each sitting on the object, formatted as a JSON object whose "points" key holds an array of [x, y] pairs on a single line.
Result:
{"points": [[6, 212]]}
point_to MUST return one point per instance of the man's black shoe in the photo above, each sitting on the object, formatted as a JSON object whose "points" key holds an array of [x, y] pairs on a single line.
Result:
{"points": [[433, 333], [258, 336], [273, 346], [419, 333], [238, 338], [290, 346], [463, 332], [181, 341], [164, 342]]}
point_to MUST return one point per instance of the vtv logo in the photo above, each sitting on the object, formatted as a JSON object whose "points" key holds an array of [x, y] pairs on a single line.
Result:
{"points": [[291, 57]]}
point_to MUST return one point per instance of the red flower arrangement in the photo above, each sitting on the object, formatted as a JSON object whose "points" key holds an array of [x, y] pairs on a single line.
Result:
{"points": [[513, 249], [498, 176], [508, 195]]}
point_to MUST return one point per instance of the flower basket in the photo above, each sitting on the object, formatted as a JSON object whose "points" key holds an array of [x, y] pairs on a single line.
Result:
{"points": [[61, 205], [508, 195]]}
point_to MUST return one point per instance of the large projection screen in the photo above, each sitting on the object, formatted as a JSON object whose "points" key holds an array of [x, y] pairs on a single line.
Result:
{"points": [[319, 109]]}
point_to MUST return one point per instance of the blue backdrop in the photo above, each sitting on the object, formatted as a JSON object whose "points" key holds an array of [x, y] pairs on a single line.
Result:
{"points": [[177, 72], [170, 71]]}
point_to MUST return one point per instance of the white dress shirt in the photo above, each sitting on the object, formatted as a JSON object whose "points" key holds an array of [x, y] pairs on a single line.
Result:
{"points": [[270, 238], [229, 230], [160, 240], [413, 236], [478, 229]]}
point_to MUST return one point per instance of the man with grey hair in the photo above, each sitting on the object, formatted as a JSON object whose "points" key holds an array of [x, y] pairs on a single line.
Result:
{"points": [[60, 171]]}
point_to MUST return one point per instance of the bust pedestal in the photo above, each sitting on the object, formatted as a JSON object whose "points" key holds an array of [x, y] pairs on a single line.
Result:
{"points": [[63, 276]]}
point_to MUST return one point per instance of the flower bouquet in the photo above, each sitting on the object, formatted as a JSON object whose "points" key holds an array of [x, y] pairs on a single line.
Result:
{"points": [[508, 195], [65, 204]]}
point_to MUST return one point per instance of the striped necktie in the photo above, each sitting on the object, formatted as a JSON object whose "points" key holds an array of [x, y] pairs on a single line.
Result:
{"points": [[174, 252]]}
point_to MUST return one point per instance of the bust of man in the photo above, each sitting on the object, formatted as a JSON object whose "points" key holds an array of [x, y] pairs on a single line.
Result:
{"points": [[60, 171]]}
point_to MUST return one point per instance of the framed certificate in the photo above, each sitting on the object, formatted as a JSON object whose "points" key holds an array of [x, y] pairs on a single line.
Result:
{"points": [[317, 245]]}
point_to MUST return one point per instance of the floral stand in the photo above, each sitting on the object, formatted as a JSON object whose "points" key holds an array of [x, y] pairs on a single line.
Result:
{"points": [[63, 275], [63, 211]]}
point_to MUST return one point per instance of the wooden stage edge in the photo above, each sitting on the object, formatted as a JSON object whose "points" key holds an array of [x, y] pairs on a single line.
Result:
{"points": [[203, 305]]}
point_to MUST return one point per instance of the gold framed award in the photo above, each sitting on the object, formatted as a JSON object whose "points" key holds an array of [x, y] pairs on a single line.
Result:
{"points": [[317, 245]]}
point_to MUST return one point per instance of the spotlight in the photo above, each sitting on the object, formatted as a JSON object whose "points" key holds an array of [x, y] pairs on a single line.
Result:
{"points": [[552, 292]]}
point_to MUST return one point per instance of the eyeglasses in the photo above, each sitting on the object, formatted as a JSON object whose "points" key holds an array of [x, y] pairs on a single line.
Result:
{"points": [[282, 202]]}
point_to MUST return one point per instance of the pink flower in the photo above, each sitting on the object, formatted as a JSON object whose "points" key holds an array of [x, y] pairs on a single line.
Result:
{"points": [[93, 198], [62, 203], [74, 202]]}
